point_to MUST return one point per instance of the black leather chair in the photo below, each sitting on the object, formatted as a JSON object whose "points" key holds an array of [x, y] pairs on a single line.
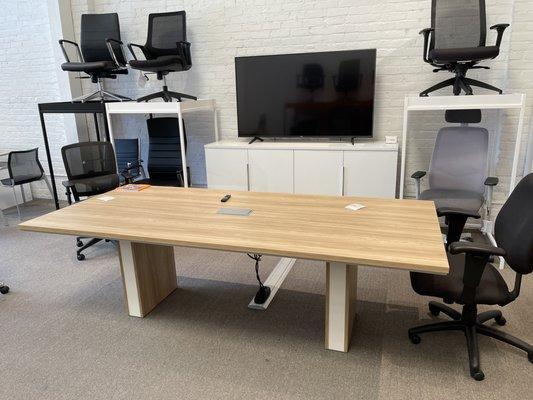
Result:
{"points": [[473, 280], [91, 170], [101, 54], [129, 162], [456, 42], [166, 50], [164, 153]]}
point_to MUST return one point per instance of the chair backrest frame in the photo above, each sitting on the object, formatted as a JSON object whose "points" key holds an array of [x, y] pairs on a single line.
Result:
{"points": [[154, 46], [95, 30], [34, 175]]}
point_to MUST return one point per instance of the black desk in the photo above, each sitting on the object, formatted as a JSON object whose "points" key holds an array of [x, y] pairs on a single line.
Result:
{"points": [[91, 107]]}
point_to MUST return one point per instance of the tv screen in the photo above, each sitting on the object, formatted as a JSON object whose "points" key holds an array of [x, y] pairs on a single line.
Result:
{"points": [[311, 94]]}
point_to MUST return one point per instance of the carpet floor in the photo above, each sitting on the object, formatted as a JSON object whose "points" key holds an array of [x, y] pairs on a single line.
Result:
{"points": [[65, 334]]}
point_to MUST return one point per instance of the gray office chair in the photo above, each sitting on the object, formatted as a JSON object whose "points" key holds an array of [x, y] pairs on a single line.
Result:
{"points": [[91, 170], [24, 167], [457, 174], [473, 280]]}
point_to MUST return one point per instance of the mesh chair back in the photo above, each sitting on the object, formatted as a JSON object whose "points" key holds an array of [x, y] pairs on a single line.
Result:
{"points": [[92, 162], [95, 29], [459, 160], [127, 151], [164, 153], [348, 77], [458, 24], [513, 230], [164, 31], [24, 166]]}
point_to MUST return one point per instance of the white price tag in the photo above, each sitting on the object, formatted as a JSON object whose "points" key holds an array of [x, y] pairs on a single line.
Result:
{"points": [[354, 206]]}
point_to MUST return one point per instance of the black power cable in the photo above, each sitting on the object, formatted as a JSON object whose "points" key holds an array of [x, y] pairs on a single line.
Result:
{"points": [[264, 291]]}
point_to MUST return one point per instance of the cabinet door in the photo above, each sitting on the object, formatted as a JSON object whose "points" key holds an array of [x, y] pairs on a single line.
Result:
{"points": [[271, 170], [226, 168], [370, 173], [318, 172]]}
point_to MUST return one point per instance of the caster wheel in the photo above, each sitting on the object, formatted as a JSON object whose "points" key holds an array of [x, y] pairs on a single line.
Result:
{"points": [[79, 243], [415, 339], [434, 311], [478, 376], [4, 289], [80, 257], [501, 321]]}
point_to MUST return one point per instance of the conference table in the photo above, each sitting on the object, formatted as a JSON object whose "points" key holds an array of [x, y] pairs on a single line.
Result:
{"points": [[386, 233]]}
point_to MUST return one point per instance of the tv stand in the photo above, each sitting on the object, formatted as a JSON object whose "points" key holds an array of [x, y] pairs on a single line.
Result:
{"points": [[255, 139]]}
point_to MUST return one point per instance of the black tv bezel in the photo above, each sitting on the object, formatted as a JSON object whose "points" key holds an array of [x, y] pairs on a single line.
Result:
{"points": [[369, 136]]}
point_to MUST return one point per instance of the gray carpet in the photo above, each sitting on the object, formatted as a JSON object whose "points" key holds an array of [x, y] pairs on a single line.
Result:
{"points": [[65, 333]]}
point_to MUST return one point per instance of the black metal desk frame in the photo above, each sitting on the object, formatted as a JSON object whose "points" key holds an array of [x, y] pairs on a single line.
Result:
{"points": [[68, 107]]}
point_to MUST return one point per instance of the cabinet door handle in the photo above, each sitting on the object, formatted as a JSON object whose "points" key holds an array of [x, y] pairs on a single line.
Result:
{"points": [[342, 183], [247, 176]]}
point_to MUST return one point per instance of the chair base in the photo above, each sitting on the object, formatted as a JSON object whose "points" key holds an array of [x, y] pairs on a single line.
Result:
{"points": [[100, 95], [472, 324], [460, 82], [166, 95], [81, 246]]}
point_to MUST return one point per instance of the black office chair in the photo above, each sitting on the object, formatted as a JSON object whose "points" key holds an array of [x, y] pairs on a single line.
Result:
{"points": [[166, 50], [101, 54], [311, 78], [473, 280], [24, 167], [456, 42], [129, 162], [348, 78], [164, 153], [458, 182], [91, 170]]}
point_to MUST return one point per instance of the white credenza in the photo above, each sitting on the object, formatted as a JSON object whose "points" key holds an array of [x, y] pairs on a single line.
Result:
{"points": [[367, 169]]}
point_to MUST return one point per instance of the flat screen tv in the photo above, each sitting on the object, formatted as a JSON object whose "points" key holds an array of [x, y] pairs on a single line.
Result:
{"points": [[328, 94]]}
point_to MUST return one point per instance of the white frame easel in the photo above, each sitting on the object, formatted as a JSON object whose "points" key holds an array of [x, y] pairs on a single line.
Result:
{"points": [[178, 107]]}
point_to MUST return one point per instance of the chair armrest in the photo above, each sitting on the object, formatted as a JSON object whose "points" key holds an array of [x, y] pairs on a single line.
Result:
{"points": [[500, 28], [476, 249], [184, 49], [450, 211], [68, 184], [418, 175], [131, 46], [491, 181], [426, 32], [109, 43], [64, 51]]}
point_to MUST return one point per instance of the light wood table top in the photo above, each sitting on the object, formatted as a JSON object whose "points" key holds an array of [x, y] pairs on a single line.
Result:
{"points": [[402, 234]]}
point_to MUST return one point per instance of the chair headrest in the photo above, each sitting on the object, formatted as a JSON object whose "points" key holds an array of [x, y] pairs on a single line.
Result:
{"points": [[463, 116]]}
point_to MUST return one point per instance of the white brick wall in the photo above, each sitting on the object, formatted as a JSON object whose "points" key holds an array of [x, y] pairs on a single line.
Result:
{"points": [[220, 30], [28, 77]]}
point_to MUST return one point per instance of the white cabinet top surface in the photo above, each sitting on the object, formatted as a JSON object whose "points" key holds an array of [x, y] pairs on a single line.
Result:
{"points": [[368, 145]]}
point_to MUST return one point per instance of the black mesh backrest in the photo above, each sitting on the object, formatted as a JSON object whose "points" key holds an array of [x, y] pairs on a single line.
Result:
{"points": [[93, 163], [95, 29], [513, 230], [24, 166], [348, 77], [164, 153], [164, 31], [458, 24], [127, 151]]}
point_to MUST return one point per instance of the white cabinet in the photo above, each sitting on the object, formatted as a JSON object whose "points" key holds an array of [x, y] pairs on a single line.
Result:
{"points": [[227, 168], [370, 173], [270, 171], [318, 172], [329, 168]]}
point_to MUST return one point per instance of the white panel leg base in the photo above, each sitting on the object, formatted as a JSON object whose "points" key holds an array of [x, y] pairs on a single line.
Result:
{"points": [[341, 287], [274, 281]]}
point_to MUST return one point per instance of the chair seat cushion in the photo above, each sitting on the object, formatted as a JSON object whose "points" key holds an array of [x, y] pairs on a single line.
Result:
{"points": [[88, 66], [491, 290], [162, 63], [465, 199], [464, 54]]}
